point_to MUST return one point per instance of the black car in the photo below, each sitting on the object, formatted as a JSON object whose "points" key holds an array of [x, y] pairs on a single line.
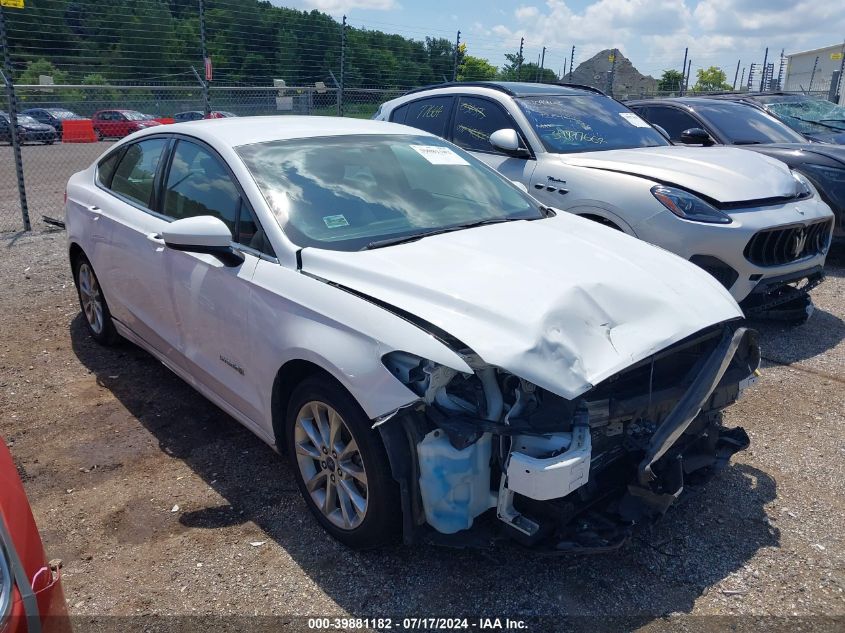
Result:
{"points": [[705, 121], [53, 116], [29, 130], [817, 119]]}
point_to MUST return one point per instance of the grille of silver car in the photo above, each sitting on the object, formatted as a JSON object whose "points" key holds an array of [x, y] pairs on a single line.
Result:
{"points": [[786, 244]]}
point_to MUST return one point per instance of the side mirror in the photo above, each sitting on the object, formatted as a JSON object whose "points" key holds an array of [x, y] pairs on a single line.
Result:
{"points": [[507, 140], [202, 234], [696, 136]]}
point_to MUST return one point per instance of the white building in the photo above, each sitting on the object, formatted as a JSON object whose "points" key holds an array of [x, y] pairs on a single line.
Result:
{"points": [[826, 80]]}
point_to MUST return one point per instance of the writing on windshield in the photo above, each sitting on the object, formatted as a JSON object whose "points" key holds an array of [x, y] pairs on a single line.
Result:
{"points": [[587, 123]]}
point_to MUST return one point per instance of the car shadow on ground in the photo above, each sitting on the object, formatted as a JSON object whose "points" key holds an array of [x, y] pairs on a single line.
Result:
{"points": [[784, 344], [664, 570]]}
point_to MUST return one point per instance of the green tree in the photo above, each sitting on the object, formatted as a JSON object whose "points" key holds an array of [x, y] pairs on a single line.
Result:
{"points": [[476, 69], [711, 79], [671, 81], [36, 68]]}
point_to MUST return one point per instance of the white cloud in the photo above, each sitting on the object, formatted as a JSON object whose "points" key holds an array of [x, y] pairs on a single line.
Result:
{"points": [[654, 33]]}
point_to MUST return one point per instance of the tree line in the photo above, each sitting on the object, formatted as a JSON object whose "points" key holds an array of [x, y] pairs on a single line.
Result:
{"points": [[250, 42]]}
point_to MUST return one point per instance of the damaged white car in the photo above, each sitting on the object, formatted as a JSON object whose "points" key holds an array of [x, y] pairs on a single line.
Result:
{"points": [[442, 357]]}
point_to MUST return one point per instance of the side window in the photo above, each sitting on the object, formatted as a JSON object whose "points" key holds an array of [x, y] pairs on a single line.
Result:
{"points": [[106, 168], [475, 120], [672, 120], [399, 114], [199, 184], [430, 114], [135, 173]]}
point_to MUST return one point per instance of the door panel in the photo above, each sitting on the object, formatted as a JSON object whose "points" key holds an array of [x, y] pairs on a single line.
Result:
{"points": [[211, 306]]}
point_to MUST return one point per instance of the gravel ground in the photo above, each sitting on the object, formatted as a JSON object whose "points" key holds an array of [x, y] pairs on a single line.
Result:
{"points": [[46, 170], [159, 503]]}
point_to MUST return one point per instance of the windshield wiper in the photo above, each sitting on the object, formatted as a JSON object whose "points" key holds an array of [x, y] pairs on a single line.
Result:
{"points": [[404, 239], [835, 127], [818, 122], [747, 142]]}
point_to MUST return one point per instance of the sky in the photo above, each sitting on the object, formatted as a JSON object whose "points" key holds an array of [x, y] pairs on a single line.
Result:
{"points": [[651, 33]]}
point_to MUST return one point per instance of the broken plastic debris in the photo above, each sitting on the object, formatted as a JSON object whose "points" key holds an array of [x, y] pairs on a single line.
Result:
{"points": [[175, 508], [257, 543]]}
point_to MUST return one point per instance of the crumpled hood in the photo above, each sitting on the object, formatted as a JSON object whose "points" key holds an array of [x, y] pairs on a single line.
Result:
{"points": [[725, 174], [562, 302]]}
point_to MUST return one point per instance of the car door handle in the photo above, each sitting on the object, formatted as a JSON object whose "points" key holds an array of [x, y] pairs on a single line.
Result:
{"points": [[156, 238], [95, 212]]}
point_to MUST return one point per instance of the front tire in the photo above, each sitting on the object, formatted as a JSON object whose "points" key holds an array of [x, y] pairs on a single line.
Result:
{"points": [[341, 466], [95, 310]]}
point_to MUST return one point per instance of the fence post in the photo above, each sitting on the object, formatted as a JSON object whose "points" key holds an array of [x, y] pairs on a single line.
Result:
{"points": [[342, 67], [205, 96], [571, 60], [612, 72], [457, 47], [519, 59], [13, 120]]}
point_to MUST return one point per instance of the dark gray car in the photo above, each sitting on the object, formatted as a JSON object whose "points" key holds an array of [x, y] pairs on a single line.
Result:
{"points": [[705, 121]]}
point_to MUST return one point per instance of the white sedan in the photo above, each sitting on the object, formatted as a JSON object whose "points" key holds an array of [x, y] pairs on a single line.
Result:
{"points": [[441, 355]]}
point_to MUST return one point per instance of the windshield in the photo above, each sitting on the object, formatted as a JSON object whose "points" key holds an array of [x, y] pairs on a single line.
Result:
{"points": [[25, 119], [577, 123], [810, 116], [743, 124], [131, 115], [347, 192], [64, 114]]}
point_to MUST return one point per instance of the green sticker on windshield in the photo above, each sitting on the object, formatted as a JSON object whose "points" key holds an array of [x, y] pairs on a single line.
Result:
{"points": [[335, 221]]}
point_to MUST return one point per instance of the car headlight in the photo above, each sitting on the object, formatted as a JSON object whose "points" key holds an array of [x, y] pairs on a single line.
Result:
{"points": [[688, 206], [803, 189]]}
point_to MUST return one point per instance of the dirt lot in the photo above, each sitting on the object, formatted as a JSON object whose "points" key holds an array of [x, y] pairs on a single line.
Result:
{"points": [[159, 503]]}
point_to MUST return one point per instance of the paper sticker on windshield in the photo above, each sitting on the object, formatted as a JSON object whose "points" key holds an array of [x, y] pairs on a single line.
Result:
{"points": [[633, 119], [437, 155], [335, 221]]}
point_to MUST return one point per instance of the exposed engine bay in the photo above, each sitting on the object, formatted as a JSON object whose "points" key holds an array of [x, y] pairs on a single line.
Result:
{"points": [[488, 455]]}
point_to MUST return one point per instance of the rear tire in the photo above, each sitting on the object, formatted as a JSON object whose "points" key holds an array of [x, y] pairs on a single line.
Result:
{"points": [[95, 310], [341, 466]]}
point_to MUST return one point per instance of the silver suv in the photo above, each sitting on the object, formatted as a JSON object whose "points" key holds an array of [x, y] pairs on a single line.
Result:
{"points": [[757, 227]]}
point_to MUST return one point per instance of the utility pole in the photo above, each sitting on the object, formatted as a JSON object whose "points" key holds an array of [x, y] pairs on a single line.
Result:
{"points": [[13, 120], [542, 65], [813, 75], [205, 96], [571, 60], [342, 66], [736, 74], [683, 72], [457, 48], [765, 61], [519, 59]]}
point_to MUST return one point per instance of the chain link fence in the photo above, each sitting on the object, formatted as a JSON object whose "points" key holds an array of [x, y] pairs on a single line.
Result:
{"points": [[48, 163]]}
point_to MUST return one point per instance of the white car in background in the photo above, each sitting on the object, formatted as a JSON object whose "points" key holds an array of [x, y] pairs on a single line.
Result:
{"points": [[750, 222], [425, 341]]}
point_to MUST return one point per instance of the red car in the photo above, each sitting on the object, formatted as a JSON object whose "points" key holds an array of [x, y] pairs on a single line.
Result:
{"points": [[119, 123], [31, 596]]}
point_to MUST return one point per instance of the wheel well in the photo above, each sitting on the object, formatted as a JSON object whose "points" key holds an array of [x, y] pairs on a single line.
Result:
{"points": [[601, 220], [74, 253], [288, 377]]}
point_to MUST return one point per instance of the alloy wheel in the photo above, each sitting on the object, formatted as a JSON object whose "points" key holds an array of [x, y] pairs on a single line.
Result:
{"points": [[92, 298], [331, 465]]}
